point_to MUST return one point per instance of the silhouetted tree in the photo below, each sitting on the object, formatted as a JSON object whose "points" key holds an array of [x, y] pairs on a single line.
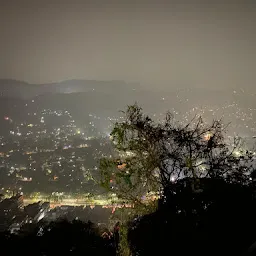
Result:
{"points": [[150, 156], [202, 179]]}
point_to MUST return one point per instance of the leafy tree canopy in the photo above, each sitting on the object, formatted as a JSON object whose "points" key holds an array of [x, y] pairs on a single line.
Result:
{"points": [[150, 155]]}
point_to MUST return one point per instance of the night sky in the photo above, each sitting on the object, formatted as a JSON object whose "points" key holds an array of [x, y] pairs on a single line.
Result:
{"points": [[161, 44]]}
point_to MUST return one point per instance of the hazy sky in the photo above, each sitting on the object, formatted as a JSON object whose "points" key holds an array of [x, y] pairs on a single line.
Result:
{"points": [[159, 43]]}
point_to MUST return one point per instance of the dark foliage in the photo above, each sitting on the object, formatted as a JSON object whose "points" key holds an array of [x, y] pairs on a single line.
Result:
{"points": [[204, 181], [160, 152], [57, 238], [220, 220]]}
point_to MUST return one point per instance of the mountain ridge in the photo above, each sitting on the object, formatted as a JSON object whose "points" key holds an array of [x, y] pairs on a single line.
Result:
{"points": [[21, 89]]}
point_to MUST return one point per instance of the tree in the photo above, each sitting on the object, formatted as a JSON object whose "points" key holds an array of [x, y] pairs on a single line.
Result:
{"points": [[150, 156], [179, 165]]}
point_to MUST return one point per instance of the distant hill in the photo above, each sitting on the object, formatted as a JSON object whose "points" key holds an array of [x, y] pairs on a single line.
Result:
{"points": [[108, 97], [130, 92], [20, 89]]}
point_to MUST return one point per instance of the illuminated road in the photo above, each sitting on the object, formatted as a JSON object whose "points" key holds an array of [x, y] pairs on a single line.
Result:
{"points": [[71, 202]]}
